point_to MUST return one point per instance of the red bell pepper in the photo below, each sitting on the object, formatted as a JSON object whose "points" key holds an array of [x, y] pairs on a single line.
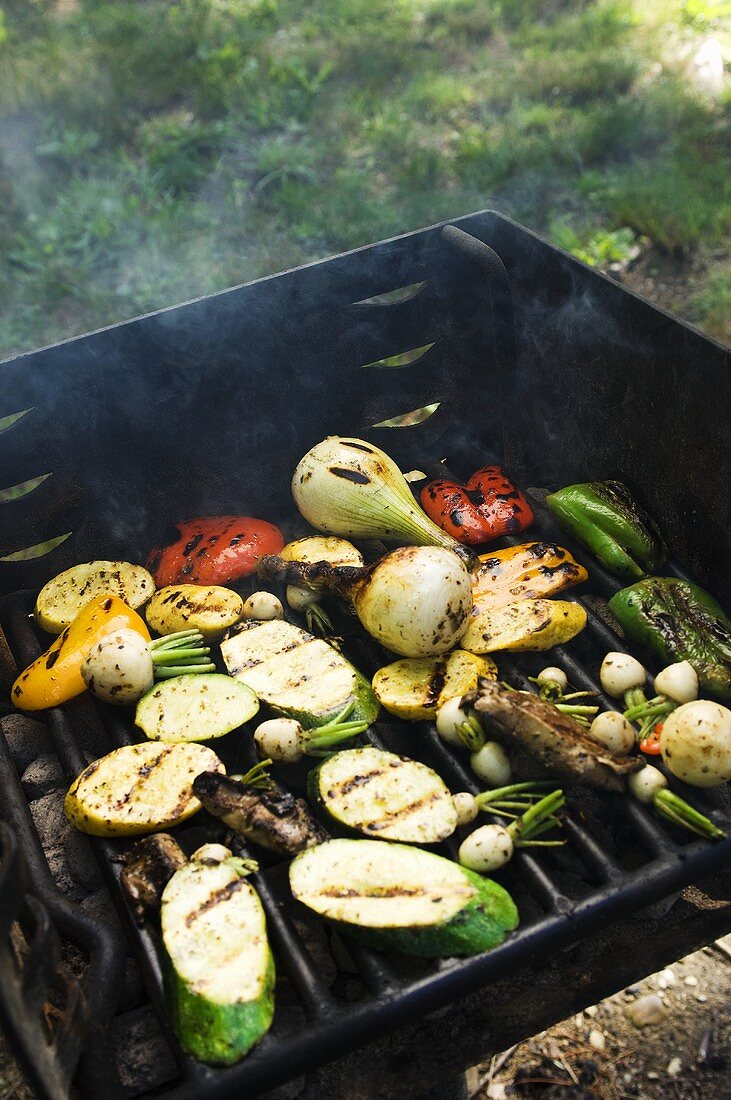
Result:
{"points": [[214, 550], [487, 507]]}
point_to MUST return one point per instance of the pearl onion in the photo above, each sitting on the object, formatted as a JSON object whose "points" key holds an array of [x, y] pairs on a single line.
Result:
{"points": [[488, 848], [614, 731], [264, 606], [491, 764], [466, 807]]}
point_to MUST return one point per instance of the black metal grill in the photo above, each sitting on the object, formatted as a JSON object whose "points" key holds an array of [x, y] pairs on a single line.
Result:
{"points": [[620, 858]]}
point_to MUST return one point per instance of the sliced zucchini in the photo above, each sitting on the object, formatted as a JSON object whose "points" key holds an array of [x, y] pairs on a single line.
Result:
{"points": [[208, 608], [297, 675], [398, 898], [196, 707], [62, 598], [524, 625], [138, 789], [220, 980], [379, 794], [416, 687]]}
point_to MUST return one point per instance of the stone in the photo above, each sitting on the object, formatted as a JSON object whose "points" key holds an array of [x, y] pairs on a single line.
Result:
{"points": [[674, 1067], [591, 1011], [645, 1011], [701, 998], [42, 775], [597, 1039], [26, 738], [691, 980]]}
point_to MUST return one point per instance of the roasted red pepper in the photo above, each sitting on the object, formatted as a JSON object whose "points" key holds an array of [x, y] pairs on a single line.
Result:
{"points": [[487, 507], [214, 550]]}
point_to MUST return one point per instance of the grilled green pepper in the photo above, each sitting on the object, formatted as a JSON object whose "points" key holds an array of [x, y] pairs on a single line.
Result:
{"points": [[679, 621], [605, 517]]}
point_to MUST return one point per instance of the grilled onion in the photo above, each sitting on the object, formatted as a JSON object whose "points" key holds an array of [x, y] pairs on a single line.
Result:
{"points": [[349, 487]]}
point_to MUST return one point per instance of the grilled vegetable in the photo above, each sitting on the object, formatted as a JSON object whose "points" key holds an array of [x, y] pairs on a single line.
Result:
{"points": [[284, 741], [552, 739], [621, 673], [416, 687], [213, 550], [195, 708], [138, 789], [651, 788], [209, 609], [695, 743], [378, 794], [487, 507], [491, 846], [262, 606], [678, 682], [55, 676], [490, 763], [524, 625], [614, 731], [297, 675], [678, 621], [121, 667], [349, 487], [397, 898], [524, 572], [272, 818], [318, 548], [414, 601], [61, 599], [220, 979], [552, 681], [604, 516], [148, 868]]}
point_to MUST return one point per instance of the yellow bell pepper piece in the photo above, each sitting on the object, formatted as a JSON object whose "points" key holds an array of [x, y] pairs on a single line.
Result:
{"points": [[527, 571], [55, 676]]}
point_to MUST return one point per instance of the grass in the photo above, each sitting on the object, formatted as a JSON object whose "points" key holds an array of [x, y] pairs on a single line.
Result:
{"points": [[153, 151]]}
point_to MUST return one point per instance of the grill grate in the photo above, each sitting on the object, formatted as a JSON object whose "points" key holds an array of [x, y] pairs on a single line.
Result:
{"points": [[563, 896]]}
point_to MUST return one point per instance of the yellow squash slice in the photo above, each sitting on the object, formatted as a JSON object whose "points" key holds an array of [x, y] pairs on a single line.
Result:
{"points": [[416, 687], [524, 625], [138, 789], [61, 600]]}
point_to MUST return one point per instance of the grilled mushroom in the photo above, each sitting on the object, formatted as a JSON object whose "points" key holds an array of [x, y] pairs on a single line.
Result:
{"points": [[272, 818], [538, 730], [149, 866]]}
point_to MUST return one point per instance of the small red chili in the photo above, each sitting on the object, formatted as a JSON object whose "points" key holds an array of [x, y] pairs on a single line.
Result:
{"points": [[651, 743]]}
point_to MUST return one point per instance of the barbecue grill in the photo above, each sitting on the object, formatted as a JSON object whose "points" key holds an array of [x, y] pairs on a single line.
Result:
{"points": [[512, 351]]}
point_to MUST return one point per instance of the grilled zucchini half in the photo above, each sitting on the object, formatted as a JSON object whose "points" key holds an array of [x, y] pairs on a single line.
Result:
{"points": [[220, 978], [297, 675], [196, 707], [396, 898], [416, 687], [378, 794], [138, 789]]}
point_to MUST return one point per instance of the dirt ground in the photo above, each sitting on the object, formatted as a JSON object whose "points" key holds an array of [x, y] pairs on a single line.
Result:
{"points": [[668, 1036]]}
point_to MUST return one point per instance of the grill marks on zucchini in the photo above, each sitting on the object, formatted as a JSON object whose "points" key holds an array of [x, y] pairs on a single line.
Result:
{"points": [[372, 792], [296, 674], [220, 979], [394, 897]]}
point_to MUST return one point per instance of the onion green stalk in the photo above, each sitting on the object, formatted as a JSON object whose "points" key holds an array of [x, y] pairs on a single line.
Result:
{"points": [[351, 488], [180, 654]]}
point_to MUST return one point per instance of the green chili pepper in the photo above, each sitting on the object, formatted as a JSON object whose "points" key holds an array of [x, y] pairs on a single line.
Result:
{"points": [[605, 517], [679, 621]]}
